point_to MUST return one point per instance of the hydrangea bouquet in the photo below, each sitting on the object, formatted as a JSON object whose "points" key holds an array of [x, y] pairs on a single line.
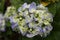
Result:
{"points": [[30, 19]]}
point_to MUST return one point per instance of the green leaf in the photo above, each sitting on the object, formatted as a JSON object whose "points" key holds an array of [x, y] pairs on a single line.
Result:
{"points": [[55, 35], [25, 38], [52, 8]]}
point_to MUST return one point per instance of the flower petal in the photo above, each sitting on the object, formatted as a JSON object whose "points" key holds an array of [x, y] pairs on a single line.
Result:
{"points": [[13, 25], [30, 35], [32, 7], [2, 23]]}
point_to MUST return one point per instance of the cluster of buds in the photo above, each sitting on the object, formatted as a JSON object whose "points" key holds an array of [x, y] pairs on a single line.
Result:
{"points": [[30, 19]]}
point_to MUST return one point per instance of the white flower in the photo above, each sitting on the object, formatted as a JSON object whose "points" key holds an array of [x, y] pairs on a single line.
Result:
{"points": [[37, 18], [32, 7], [31, 20], [2, 23], [11, 10], [41, 7]]}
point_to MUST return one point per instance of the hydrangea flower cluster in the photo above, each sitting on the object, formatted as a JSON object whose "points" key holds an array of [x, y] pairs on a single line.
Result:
{"points": [[2, 22], [30, 19]]}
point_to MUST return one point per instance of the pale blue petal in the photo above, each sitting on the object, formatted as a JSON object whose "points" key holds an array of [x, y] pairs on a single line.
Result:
{"points": [[30, 35], [48, 28], [39, 29], [32, 6], [24, 5], [23, 33], [19, 9], [14, 25]]}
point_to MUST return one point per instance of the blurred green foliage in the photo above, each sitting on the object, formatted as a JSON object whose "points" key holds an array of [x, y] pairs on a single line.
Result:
{"points": [[2, 5], [18, 3]]}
